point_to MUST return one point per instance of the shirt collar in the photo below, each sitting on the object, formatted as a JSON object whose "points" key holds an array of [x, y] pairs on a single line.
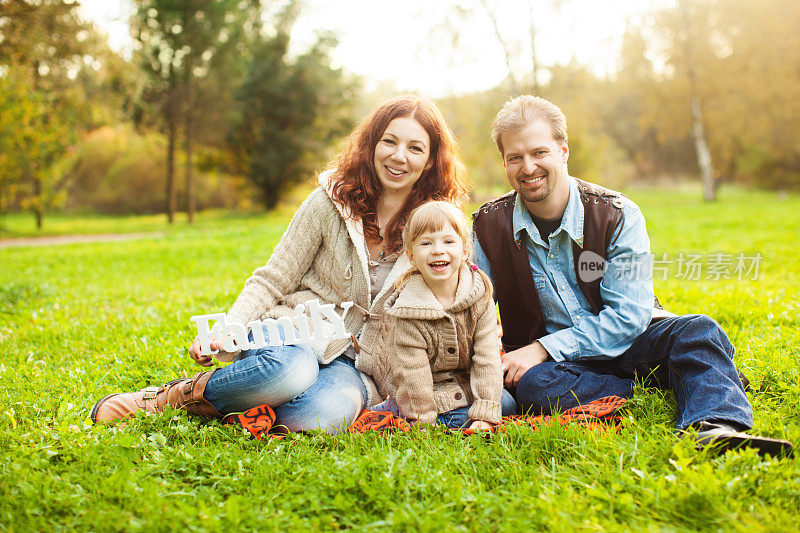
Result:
{"points": [[571, 222]]}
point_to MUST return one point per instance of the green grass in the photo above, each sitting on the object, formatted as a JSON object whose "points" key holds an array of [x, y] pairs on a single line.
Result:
{"points": [[19, 224], [79, 321]]}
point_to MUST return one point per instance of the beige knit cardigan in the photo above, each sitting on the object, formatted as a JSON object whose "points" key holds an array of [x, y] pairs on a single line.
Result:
{"points": [[322, 255], [433, 359]]}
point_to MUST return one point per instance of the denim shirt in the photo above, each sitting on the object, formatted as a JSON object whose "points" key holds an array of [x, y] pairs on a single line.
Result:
{"points": [[574, 333]]}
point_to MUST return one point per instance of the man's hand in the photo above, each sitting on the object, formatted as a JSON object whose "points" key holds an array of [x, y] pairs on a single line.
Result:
{"points": [[204, 360], [517, 362]]}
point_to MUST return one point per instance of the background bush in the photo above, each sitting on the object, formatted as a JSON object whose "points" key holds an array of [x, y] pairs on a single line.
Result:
{"points": [[117, 170]]}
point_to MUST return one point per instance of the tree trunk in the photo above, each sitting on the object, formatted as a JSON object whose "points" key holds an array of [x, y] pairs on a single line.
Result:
{"points": [[189, 147], [189, 10], [703, 154], [172, 196], [38, 202], [270, 198], [172, 133], [700, 144], [38, 207], [533, 51], [503, 43]]}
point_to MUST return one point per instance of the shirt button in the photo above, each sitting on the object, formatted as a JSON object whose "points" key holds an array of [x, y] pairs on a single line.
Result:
{"points": [[563, 287], [578, 319], [458, 396], [551, 256], [451, 350]]}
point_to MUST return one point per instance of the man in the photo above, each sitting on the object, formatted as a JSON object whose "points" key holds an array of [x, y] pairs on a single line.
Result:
{"points": [[570, 262]]}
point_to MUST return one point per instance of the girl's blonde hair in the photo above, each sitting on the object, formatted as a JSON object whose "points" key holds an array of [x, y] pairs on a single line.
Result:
{"points": [[434, 216]]}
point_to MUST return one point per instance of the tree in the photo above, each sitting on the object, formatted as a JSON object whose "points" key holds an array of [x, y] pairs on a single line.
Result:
{"points": [[466, 15], [507, 53], [731, 83], [291, 110], [640, 111], [695, 37], [758, 111], [42, 50], [181, 44]]}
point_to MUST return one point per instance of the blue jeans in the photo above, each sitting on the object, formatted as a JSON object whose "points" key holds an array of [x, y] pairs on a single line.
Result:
{"points": [[689, 354], [304, 394], [457, 418]]}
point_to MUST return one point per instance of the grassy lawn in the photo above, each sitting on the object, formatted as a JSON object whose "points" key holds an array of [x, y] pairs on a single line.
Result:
{"points": [[22, 224], [80, 321]]}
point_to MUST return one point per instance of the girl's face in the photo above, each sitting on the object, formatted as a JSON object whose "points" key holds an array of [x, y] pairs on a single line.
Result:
{"points": [[401, 155], [438, 255]]}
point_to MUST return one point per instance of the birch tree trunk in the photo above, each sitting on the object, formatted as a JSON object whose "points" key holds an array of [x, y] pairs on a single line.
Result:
{"points": [[703, 154], [698, 130]]}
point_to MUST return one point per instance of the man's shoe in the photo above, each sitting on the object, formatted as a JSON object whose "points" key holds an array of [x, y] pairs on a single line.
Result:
{"points": [[722, 437]]}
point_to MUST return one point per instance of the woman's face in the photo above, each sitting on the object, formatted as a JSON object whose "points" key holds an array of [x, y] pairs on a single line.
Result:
{"points": [[401, 155]]}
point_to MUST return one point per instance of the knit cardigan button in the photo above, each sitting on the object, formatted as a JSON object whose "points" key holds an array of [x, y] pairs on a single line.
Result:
{"points": [[458, 396], [451, 350]]}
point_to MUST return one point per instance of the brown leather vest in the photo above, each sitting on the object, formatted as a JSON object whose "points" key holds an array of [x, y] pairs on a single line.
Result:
{"points": [[520, 311]]}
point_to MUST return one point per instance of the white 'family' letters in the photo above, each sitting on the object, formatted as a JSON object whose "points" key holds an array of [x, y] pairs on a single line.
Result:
{"points": [[322, 323]]}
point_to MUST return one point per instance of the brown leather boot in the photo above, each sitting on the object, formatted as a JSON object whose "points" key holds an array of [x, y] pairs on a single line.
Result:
{"points": [[186, 394]]}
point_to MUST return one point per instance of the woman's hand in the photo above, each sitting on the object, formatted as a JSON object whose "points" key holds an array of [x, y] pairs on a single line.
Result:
{"points": [[481, 425], [206, 360], [194, 352]]}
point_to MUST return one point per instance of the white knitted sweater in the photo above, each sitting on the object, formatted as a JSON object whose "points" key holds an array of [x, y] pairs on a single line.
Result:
{"points": [[321, 255]]}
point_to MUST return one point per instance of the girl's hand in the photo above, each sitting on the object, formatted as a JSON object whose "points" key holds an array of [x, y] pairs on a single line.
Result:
{"points": [[481, 425], [206, 360]]}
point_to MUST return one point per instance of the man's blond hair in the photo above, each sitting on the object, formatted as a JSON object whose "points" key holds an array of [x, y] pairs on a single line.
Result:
{"points": [[520, 112]]}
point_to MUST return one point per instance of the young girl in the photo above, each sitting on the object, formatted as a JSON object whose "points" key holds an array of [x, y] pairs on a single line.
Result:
{"points": [[438, 358]]}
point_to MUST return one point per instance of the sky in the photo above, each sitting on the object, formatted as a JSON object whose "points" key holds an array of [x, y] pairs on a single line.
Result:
{"points": [[408, 42]]}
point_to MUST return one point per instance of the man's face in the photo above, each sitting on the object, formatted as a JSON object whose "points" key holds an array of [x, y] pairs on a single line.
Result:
{"points": [[535, 162]]}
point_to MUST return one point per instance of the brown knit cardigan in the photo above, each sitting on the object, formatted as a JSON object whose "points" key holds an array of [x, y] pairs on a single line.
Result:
{"points": [[433, 359]]}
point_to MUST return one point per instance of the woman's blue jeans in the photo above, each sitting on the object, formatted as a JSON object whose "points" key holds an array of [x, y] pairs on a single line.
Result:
{"points": [[689, 354], [304, 394]]}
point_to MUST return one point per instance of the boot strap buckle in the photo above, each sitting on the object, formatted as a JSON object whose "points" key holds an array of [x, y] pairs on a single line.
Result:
{"points": [[150, 393], [188, 387]]}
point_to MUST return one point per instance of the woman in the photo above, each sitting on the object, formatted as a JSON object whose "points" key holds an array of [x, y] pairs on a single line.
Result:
{"points": [[342, 245]]}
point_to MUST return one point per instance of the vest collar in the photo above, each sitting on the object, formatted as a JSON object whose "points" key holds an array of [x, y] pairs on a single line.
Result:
{"points": [[571, 221]]}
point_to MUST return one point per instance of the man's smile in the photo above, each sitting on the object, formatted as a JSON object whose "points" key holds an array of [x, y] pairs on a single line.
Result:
{"points": [[533, 179]]}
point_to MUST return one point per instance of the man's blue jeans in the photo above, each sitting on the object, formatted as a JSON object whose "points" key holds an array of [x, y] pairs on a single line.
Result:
{"points": [[689, 354], [304, 394]]}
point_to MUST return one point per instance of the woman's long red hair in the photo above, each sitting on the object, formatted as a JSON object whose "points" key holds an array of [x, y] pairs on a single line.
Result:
{"points": [[355, 182]]}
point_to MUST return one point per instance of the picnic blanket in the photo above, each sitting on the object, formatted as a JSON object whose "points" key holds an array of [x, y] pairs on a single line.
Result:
{"points": [[600, 413]]}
